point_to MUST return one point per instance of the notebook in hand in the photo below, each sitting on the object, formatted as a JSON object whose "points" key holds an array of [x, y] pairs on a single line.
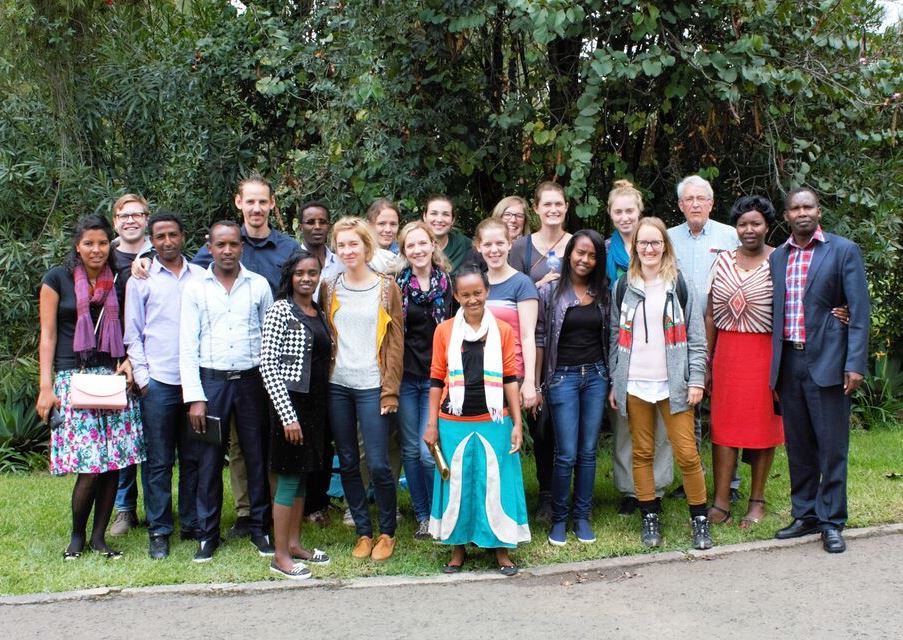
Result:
{"points": [[213, 433]]}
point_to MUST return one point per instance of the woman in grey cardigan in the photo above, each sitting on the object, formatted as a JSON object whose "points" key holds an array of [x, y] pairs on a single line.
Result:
{"points": [[659, 365]]}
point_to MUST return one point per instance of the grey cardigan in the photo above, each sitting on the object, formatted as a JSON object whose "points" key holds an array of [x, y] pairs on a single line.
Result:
{"points": [[685, 345]]}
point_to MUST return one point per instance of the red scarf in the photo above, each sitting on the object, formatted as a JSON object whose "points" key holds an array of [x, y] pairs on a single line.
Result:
{"points": [[109, 333]]}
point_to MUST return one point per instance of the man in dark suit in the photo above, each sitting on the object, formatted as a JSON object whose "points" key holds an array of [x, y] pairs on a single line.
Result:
{"points": [[817, 363]]}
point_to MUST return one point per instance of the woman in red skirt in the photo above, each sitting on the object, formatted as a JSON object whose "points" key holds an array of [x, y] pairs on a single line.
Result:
{"points": [[738, 327]]}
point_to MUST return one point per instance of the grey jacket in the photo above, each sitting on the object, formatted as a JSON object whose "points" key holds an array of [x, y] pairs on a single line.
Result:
{"points": [[685, 345]]}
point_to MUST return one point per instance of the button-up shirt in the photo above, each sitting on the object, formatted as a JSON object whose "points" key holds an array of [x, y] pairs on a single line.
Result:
{"points": [[331, 268], [696, 254], [798, 261], [152, 314], [264, 256], [220, 329]]}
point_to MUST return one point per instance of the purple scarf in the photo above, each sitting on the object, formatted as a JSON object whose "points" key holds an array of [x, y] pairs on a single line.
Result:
{"points": [[109, 334]]}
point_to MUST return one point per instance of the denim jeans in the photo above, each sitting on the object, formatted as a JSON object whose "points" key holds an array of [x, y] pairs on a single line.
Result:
{"points": [[577, 396], [419, 466], [127, 492], [165, 429], [349, 409]]}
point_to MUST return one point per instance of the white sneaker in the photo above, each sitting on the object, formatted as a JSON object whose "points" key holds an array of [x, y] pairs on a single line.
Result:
{"points": [[347, 518]]}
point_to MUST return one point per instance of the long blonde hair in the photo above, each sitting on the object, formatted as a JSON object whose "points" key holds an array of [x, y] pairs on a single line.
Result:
{"points": [[668, 269], [438, 259]]}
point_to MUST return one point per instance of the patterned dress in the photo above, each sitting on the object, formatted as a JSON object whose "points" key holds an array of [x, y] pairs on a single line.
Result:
{"points": [[743, 410]]}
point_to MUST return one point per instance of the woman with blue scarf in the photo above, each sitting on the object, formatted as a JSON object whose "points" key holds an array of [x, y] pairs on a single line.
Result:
{"points": [[625, 207]]}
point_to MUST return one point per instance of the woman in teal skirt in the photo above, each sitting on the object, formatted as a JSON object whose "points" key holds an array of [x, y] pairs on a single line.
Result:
{"points": [[475, 417]]}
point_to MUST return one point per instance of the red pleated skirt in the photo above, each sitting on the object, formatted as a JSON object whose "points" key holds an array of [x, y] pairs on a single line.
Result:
{"points": [[742, 405]]}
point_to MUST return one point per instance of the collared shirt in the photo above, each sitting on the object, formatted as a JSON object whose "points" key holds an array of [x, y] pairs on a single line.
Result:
{"points": [[696, 254], [264, 256], [152, 314], [220, 329], [798, 261]]}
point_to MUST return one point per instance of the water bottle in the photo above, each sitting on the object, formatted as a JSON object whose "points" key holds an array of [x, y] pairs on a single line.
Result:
{"points": [[553, 262]]}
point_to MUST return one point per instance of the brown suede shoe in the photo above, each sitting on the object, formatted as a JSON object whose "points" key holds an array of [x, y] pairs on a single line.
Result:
{"points": [[363, 548], [383, 549]]}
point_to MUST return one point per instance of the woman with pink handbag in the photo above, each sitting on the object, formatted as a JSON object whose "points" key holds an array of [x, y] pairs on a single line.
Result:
{"points": [[96, 427]]}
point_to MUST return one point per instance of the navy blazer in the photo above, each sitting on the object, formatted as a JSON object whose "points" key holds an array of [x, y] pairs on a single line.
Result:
{"points": [[836, 277]]}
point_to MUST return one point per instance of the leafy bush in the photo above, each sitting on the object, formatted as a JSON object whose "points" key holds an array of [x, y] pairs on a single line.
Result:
{"points": [[879, 401], [23, 439]]}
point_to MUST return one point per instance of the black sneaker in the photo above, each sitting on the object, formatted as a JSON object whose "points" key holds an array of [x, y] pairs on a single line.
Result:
{"points": [[627, 506], [206, 549], [423, 531], [158, 548], [263, 544], [702, 539], [241, 528], [652, 530]]}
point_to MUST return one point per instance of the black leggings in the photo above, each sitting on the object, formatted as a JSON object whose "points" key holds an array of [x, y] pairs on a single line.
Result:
{"points": [[97, 491]]}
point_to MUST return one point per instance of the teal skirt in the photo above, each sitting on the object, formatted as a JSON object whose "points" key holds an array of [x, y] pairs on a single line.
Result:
{"points": [[483, 501]]}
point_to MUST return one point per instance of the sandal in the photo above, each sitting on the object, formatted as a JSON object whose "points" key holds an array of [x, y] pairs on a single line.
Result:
{"points": [[107, 553], [508, 570], [747, 522], [448, 567], [297, 572], [725, 515], [71, 555]]}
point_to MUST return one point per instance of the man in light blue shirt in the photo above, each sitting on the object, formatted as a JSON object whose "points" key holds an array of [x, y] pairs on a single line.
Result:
{"points": [[152, 316], [697, 242], [219, 353]]}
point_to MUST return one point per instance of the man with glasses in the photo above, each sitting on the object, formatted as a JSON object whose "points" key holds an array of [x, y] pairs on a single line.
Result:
{"points": [[130, 222], [697, 242]]}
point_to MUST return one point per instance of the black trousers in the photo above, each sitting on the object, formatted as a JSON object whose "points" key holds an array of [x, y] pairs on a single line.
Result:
{"points": [[247, 399], [817, 437]]}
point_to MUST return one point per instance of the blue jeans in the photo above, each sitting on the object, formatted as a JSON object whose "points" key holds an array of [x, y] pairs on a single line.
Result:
{"points": [[419, 466], [577, 396], [165, 429], [348, 410], [127, 493]]}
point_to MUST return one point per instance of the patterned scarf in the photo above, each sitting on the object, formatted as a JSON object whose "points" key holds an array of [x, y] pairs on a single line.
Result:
{"points": [[492, 363], [109, 334], [434, 297]]}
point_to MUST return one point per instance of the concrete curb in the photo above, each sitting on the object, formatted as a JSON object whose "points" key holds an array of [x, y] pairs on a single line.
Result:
{"points": [[609, 565]]}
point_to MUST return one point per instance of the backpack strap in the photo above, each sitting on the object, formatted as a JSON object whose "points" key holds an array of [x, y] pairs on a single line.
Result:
{"points": [[620, 290], [682, 291]]}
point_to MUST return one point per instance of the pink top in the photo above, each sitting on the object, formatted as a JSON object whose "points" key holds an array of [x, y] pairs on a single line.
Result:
{"points": [[647, 356]]}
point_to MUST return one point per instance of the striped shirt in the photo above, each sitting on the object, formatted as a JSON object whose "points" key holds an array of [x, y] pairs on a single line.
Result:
{"points": [[798, 262], [741, 299]]}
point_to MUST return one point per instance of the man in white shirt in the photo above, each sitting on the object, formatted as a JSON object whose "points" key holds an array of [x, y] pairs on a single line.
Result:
{"points": [[697, 242], [219, 353]]}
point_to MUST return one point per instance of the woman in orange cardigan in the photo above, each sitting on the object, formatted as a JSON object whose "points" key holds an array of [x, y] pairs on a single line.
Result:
{"points": [[478, 428]]}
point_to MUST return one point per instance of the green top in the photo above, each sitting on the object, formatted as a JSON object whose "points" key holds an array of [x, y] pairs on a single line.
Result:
{"points": [[457, 248]]}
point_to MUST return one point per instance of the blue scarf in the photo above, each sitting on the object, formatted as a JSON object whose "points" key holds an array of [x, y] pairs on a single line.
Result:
{"points": [[617, 260]]}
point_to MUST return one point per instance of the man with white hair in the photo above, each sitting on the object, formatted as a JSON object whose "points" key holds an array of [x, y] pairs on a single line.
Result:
{"points": [[697, 242]]}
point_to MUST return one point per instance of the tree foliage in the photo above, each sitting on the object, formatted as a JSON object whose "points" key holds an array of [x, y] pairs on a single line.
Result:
{"points": [[351, 100]]}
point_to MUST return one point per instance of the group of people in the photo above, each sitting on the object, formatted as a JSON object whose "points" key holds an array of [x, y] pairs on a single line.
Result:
{"points": [[283, 354]]}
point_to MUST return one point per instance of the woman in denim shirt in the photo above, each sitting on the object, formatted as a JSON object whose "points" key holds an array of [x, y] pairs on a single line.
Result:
{"points": [[572, 333]]}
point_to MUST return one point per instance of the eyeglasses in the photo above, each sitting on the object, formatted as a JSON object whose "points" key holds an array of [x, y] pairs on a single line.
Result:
{"points": [[650, 244], [131, 216], [512, 215], [695, 199]]}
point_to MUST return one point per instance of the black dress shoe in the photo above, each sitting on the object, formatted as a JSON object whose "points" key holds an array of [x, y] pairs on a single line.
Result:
{"points": [[796, 529], [158, 547], [832, 541]]}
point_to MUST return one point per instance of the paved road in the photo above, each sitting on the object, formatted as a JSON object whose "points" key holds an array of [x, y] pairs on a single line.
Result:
{"points": [[796, 592]]}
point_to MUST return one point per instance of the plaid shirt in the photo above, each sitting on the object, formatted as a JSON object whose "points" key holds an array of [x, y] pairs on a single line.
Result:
{"points": [[797, 273]]}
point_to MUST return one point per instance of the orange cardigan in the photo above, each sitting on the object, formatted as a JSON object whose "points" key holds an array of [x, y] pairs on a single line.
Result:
{"points": [[441, 338]]}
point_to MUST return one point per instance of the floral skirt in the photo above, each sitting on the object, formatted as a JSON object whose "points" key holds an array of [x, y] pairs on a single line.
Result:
{"points": [[483, 500], [94, 440]]}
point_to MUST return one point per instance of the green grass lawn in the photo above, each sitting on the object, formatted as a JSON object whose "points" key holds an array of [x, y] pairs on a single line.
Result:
{"points": [[35, 521]]}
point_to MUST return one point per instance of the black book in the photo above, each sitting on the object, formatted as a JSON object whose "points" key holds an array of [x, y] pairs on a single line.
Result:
{"points": [[213, 433]]}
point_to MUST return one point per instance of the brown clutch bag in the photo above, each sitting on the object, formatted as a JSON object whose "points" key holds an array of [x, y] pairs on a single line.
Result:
{"points": [[441, 464]]}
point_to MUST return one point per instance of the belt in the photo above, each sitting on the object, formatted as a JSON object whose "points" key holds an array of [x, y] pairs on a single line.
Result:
{"points": [[796, 346], [219, 374]]}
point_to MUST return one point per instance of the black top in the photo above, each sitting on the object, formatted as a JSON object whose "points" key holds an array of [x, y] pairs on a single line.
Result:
{"points": [[60, 280], [122, 269], [419, 327], [322, 352], [474, 390], [580, 341]]}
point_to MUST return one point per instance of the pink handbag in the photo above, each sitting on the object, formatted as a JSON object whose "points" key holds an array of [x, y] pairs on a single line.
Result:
{"points": [[97, 391]]}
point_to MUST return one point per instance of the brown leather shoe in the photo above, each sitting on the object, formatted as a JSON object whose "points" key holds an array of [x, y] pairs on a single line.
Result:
{"points": [[385, 546], [363, 548]]}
